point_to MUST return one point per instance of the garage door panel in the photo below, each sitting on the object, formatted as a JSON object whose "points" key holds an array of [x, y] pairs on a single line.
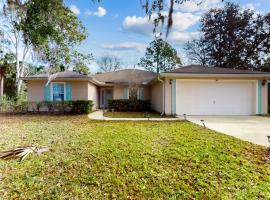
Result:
{"points": [[215, 98]]}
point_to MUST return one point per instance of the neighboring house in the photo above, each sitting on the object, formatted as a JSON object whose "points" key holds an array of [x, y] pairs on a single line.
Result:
{"points": [[191, 90]]}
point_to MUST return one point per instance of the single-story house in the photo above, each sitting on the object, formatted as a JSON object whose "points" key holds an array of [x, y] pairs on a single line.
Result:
{"points": [[191, 90]]}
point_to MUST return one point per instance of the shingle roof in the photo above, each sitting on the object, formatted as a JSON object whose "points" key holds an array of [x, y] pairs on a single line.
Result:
{"points": [[118, 77], [65, 74], [197, 69], [126, 76]]}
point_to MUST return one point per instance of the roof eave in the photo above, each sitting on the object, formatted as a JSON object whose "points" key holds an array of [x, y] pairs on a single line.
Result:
{"points": [[194, 75], [60, 79]]}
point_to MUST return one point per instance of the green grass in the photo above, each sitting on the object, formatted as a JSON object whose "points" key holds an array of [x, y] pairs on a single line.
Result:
{"points": [[129, 160], [133, 115]]}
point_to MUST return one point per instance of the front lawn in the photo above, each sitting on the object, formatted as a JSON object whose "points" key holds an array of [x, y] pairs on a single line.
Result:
{"points": [[133, 115], [129, 160]]}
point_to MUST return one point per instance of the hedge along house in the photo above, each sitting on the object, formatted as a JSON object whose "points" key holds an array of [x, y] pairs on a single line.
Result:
{"points": [[72, 86], [191, 90]]}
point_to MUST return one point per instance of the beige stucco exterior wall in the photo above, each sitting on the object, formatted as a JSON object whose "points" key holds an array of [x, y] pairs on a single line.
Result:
{"points": [[147, 93], [93, 95], [118, 92], [157, 96], [168, 97], [35, 91], [79, 90]]}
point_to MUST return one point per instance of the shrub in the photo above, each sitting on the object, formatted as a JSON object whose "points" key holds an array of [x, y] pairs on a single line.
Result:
{"points": [[62, 107], [81, 107], [54, 107], [58, 107], [10, 105], [129, 105]]}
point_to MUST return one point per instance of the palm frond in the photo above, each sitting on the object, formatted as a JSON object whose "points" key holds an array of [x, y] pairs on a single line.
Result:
{"points": [[21, 152]]}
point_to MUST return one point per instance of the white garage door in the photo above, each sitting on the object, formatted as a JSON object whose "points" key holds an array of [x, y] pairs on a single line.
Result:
{"points": [[215, 97]]}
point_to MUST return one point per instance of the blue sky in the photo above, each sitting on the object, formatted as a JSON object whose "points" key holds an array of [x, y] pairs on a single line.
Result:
{"points": [[120, 27]]}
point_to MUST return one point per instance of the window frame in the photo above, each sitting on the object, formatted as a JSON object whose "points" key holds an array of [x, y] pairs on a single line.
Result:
{"points": [[63, 83], [138, 92]]}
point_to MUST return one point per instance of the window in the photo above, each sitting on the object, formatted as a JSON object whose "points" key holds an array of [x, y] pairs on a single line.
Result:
{"points": [[58, 91], [132, 93], [140, 93], [135, 93]]}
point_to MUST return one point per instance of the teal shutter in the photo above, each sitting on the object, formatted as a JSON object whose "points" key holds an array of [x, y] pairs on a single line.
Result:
{"points": [[68, 92], [47, 92], [141, 93], [125, 93], [259, 97]]}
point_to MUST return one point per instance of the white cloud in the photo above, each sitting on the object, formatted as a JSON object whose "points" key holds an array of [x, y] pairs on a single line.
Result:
{"points": [[182, 37], [179, 32], [144, 26], [140, 25], [74, 9], [197, 5], [101, 12], [124, 46], [249, 6], [182, 21]]}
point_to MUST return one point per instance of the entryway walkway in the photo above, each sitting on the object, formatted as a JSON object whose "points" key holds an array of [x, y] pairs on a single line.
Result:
{"points": [[98, 115]]}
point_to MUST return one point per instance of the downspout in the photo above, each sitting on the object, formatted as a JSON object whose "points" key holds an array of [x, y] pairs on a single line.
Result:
{"points": [[163, 84]]}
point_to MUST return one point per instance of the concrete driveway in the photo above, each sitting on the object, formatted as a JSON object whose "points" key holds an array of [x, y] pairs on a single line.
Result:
{"points": [[254, 129]]}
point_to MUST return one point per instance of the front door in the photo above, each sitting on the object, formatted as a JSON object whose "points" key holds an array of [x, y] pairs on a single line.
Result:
{"points": [[106, 95]]}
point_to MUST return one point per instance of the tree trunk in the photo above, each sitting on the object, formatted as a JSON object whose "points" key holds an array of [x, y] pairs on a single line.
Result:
{"points": [[19, 86], [1, 85], [17, 66]]}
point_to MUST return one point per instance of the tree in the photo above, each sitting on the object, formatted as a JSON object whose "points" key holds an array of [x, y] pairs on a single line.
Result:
{"points": [[53, 30], [8, 69], [158, 8], [47, 28], [160, 56], [162, 11], [33, 69], [80, 62], [109, 63], [266, 66], [234, 38], [196, 52], [11, 38]]}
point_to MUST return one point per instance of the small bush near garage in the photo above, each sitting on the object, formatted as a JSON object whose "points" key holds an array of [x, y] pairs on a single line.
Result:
{"points": [[129, 105], [61, 107]]}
